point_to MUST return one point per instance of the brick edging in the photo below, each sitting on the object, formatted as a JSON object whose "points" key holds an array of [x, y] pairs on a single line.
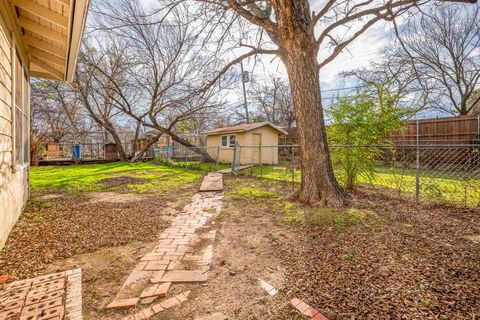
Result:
{"points": [[306, 310]]}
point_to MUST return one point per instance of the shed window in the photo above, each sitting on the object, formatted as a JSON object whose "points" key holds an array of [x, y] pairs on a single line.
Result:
{"points": [[229, 141], [224, 141], [232, 140]]}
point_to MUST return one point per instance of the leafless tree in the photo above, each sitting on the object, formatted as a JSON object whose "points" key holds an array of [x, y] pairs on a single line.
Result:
{"points": [[305, 40], [158, 67], [95, 92], [441, 50], [56, 117], [395, 75], [274, 102]]}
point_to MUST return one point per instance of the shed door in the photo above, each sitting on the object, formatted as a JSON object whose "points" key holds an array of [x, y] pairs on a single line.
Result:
{"points": [[257, 145]]}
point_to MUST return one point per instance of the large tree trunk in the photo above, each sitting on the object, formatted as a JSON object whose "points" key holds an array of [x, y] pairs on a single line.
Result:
{"points": [[118, 144], [318, 186], [151, 142], [198, 150], [299, 54]]}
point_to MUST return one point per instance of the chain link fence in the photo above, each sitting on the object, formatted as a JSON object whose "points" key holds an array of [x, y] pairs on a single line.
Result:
{"points": [[445, 172], [426, 170], [449, 173], [52, 152]]}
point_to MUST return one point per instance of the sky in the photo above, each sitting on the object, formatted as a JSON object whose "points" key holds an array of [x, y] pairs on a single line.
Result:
{"points": [[358, 54]]}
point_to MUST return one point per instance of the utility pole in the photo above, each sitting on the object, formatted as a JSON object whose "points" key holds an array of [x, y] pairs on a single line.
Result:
{"points": [[244, 80]]}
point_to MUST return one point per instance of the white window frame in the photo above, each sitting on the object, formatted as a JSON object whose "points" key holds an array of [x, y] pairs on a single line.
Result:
{"points": [[226, 141], [229, 141], [24, 110]]}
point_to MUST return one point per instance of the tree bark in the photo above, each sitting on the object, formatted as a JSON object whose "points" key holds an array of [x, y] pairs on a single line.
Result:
{"points": [[299, 50], [319, 186], [199, 150], [118, 144], [151, 142]]}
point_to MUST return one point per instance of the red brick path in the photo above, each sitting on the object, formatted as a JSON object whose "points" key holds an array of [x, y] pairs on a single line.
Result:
{"points": [[183, 255]]}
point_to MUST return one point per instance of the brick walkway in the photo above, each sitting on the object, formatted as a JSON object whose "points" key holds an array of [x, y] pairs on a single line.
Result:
{"points": [[183, 255], [54, 296]]}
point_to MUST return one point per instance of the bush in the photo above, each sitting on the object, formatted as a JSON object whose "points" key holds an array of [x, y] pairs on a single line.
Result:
{"points": [[359, 126]]}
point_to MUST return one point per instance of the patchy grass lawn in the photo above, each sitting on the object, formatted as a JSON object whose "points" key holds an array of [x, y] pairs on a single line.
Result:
{"points": [[194, 165], [447, 187], [80, 209], [147, 177], [381, 257]]}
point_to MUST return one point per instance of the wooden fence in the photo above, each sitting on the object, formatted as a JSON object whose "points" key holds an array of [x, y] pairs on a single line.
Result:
{"points": [[452, 130]]}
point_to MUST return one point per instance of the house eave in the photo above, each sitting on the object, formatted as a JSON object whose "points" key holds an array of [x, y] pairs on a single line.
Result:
{"points": [[79, 10], [49, 35]]}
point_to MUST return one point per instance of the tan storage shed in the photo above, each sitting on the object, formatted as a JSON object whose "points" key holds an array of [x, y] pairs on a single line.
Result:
{"points": [[258, 143]]}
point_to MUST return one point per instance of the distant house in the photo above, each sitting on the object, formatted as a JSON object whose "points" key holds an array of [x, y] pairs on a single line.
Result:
{"points": [[37, 39], [258, 143]]}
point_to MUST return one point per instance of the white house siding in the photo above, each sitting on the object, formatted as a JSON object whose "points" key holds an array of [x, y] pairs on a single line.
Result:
{"points": [[13, 181]]}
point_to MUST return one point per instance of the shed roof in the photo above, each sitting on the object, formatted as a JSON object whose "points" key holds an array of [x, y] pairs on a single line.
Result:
{"points": [[50, 32], [243, 128]]}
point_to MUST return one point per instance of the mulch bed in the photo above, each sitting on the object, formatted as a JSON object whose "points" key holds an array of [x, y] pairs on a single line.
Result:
{"points": [[62, 227], [411, 263]]}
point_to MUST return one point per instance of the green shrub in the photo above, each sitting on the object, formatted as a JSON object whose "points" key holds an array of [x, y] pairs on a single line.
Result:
{"points": [[359, 125]]}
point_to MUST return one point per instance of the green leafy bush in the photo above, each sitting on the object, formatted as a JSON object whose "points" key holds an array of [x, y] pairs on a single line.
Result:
{"points": [[359, 125]]}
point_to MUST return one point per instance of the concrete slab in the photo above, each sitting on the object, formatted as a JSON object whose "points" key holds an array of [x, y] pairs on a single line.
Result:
{"points": [[212, 182]]}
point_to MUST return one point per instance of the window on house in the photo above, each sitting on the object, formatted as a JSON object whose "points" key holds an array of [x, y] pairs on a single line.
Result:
{"points": [[232, 140], [229, 141], [26, 119], [21, 120], [224, 141]]}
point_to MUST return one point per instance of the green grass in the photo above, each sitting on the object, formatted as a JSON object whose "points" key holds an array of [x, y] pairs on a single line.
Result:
{"points": [[325, 217], [447, 187], [192, 165], [79, 178], [252, 193]]}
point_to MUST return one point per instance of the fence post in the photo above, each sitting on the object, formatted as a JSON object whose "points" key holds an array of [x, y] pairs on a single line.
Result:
{"points": [[293, 169], [234, 157], [417, 166]]}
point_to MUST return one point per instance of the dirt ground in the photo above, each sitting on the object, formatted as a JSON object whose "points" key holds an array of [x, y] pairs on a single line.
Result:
{"points": [[58, 226], [384, 258]]}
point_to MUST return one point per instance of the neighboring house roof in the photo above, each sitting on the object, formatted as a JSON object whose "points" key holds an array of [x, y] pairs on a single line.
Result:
{"points": [[243, 128], [50, 32]]}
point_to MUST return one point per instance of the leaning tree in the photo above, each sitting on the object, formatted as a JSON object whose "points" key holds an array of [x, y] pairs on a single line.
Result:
{"points": [[152, 66], [305, 40]]}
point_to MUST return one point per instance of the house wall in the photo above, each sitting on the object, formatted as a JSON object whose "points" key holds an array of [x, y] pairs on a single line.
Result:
{"points": [[13, 179], [268, 152]]}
